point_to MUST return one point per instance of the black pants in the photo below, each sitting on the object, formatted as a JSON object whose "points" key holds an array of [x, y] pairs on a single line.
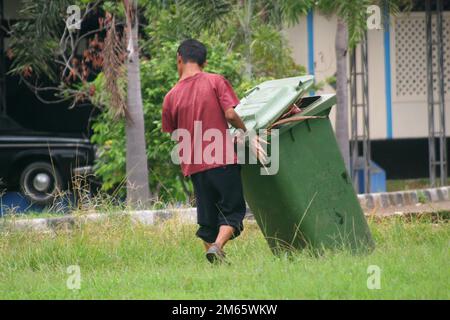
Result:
{"points": [[220, 201]]}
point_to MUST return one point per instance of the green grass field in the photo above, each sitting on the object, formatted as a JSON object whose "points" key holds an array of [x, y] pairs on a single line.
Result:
{"points": [[409, 184], [121, 261]]}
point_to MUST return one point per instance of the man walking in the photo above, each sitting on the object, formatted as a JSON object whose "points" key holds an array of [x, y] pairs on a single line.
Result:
{"points": [[206, 101]]}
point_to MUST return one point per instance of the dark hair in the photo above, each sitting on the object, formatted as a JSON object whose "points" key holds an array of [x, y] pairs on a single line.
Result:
{"points": [[192, 50]]}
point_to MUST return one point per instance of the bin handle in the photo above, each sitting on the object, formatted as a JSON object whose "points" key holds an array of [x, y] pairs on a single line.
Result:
{"points": [[294, 119], [250, 91]]}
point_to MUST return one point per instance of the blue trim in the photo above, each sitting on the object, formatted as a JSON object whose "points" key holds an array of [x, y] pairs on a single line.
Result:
{"points": [[310, 26], [387, 72]]}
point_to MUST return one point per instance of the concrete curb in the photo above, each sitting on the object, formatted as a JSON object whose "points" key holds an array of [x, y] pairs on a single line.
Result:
{"points": [[144, 217], [403, 198], [189, 215]]}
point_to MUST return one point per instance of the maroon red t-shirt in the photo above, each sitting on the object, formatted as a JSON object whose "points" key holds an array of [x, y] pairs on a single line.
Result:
{"points": [[197, 104]]}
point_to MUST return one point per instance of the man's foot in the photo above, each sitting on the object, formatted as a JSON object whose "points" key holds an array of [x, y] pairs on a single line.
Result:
{"points": [[215, 254]]}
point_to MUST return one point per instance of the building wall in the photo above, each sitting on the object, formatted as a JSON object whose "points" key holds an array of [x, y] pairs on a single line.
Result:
{"points": [[408, 63], [409, 74], [377, 88]]}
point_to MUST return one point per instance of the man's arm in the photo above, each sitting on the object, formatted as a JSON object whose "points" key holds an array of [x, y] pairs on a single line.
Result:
{"points": [[234, 119], [255, 142], [228, 98], [168, 124]]}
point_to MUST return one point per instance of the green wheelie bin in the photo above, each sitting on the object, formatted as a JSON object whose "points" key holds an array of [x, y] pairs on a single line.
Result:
{"points": [[310, 202]]}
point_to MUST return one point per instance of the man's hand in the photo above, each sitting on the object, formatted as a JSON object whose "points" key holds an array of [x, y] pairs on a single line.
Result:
{"points": [[257, 147], [256, 144]]}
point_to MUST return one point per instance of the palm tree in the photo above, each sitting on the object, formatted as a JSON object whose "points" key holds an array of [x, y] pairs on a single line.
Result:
{"points": [[138, 191], [342, 120]]}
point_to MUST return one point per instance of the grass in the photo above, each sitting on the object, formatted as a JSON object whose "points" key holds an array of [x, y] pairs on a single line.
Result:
{"points": [[32, 215], [409, 184], [123, 261]]}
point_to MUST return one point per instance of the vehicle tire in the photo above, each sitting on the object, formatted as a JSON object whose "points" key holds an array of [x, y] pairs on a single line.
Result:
{"points": [[40, 182]]}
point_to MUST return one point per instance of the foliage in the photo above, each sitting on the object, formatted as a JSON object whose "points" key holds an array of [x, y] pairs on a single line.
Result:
{"points": [[271, 55], [114, 69], [214, 14], [252, 28], [40, 32], [58, 61], [354, 13]]}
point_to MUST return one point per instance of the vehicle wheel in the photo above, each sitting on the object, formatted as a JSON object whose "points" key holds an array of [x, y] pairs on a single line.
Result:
{"points": [[40, 182]]}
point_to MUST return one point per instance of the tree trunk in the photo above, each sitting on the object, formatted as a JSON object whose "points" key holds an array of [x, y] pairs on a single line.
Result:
{"points": [[138, 192], [342, 91], [248, 12]]}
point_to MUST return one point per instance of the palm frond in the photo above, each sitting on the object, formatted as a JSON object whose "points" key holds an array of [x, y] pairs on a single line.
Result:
{"points": [[354, 13], [114, 70], [34, 38], [47, 16], [204, 14], [292, 10]]}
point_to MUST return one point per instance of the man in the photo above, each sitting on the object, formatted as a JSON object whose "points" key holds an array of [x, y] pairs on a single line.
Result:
{"points": [[206, 101]]}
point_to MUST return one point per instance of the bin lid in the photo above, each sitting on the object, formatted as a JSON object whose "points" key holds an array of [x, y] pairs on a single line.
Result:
{"points": [[265, 103]]}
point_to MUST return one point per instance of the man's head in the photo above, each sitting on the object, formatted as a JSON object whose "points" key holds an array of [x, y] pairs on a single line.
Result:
{"points": [[190, 52]]}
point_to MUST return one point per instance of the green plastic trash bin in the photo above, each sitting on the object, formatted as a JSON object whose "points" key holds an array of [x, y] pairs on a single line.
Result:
{"points": [[311, 201]]}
